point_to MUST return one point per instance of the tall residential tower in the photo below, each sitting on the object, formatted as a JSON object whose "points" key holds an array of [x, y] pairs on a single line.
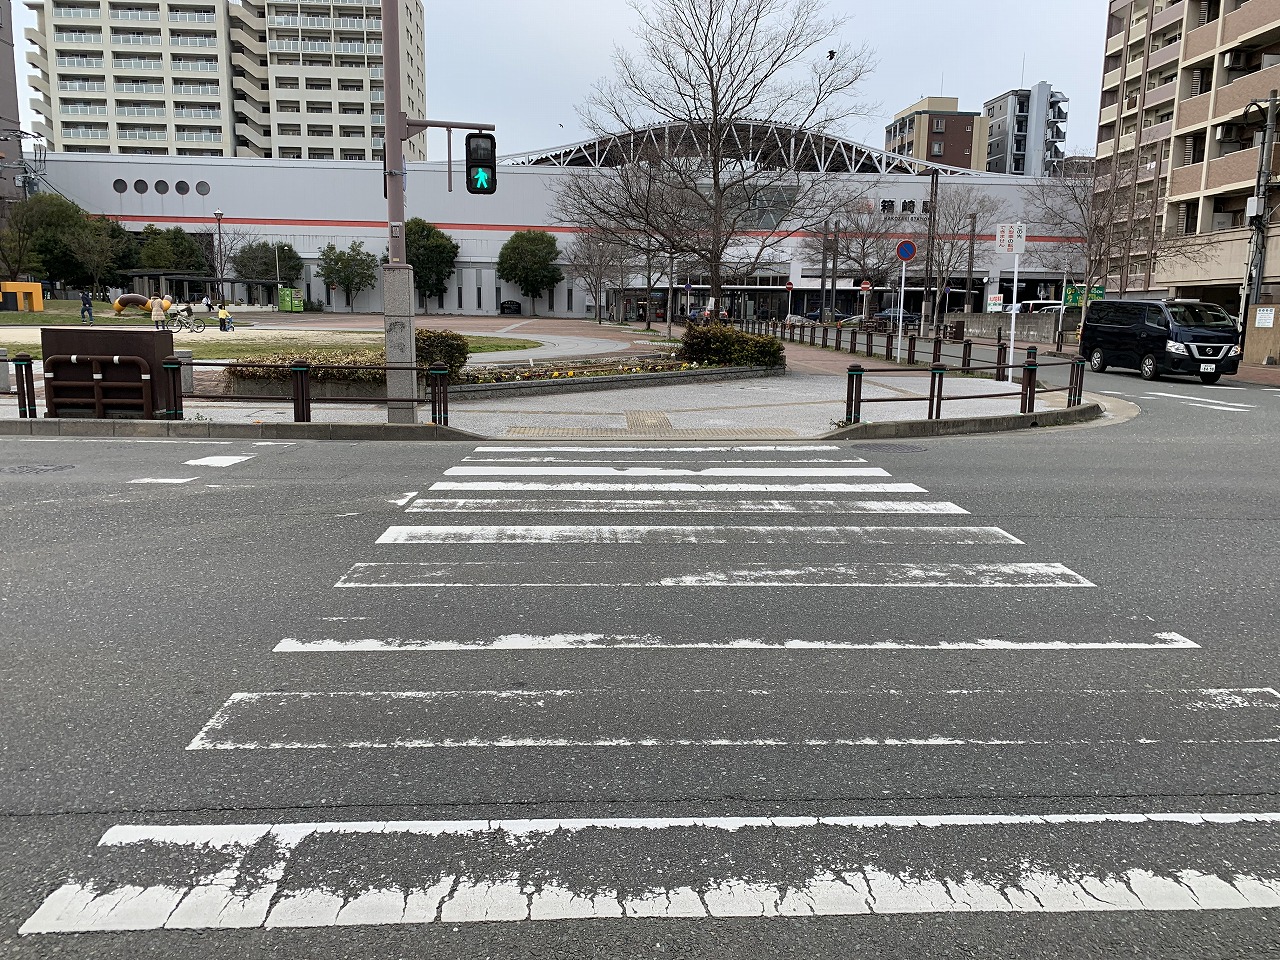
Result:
{"points": [[298, 79]]}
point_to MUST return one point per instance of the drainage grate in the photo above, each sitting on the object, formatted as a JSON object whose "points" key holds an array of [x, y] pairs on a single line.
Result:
{"points": [[37, 468]]}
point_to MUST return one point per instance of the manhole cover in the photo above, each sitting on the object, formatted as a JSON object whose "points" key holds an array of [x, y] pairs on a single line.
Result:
{"points": [[37, 468], [889, 447]]}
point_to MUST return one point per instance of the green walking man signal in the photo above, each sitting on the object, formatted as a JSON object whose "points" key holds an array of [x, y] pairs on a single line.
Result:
{"points": [[482, 171]]}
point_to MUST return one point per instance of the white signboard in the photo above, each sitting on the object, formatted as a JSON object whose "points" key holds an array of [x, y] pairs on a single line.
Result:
{"points": [[1266, 317], [1011, 238], [995, 302]]}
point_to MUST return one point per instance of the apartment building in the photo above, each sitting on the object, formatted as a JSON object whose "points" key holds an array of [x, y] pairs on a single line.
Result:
{"points": [[1026, 131], [219, 78], [937, 130], [1179, 146], [11, 144]]}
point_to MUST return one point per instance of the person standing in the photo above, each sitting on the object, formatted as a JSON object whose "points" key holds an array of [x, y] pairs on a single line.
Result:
{"points": [[86, 307], [157, 313], [224, 318]]}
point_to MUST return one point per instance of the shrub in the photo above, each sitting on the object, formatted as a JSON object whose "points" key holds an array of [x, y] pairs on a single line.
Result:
{"points": [[357, 357], [719, 344], [313, 306], [441, 346]]}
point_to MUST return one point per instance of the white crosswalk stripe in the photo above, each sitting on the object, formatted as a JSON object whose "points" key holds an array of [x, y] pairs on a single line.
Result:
{"points": [[698, 867], [697, 525]]}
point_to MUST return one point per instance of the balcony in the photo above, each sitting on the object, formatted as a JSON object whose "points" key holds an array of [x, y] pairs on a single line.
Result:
{"points": [[1235, 96], [198, 40], [80, 63], [195, 90], [196, 66], [197, 113], [1193, 112], [198, 136], [85, 133], [187, 16], [144, 133], [1166, 54], [1158, 95], [77, 37], [137, 63], [1185, 180], [1239, 169], [135, 14], [135, 39], [125, 86], [82, 86], [1171, 14], [1112, 78], [1250, 16], [77, 13], [1198, 42], [140, 111], [84, 109]]}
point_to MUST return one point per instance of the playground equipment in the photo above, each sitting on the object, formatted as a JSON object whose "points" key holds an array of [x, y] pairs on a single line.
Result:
{"points": [[138, 300]]}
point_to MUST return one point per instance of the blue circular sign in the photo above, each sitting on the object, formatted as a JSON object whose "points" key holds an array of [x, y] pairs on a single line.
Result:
{"points": [[906, 250], [688, 287]]}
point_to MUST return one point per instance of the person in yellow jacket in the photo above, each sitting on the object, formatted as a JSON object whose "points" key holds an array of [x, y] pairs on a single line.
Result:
{"points": [[226, 322]]}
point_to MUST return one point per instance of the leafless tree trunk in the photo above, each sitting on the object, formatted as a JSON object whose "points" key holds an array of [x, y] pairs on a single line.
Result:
{"points": [[696, 175]]}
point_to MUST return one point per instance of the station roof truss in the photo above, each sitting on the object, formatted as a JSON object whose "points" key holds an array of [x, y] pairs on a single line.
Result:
{"points": [[767, 145]]}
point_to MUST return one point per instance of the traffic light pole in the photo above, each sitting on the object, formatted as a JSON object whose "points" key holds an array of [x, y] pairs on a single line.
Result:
{"points": [[397, 274]]}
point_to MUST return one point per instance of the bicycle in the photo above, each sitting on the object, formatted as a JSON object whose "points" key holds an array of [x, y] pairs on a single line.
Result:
{"points": [[183, 322]]}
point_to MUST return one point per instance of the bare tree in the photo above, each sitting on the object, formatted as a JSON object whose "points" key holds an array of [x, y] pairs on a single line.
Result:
{"points": [[1110, 218], [592, 258], [698, 171], [961, 207]]}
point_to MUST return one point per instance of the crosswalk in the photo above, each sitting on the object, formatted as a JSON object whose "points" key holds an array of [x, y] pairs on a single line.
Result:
{"points": [[681, 551]]}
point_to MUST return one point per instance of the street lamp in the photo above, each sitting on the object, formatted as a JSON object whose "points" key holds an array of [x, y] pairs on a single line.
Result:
{"points": [[217, 215]]}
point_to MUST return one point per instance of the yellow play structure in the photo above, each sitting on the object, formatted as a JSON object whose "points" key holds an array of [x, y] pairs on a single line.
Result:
{"points": [[30, 295]]}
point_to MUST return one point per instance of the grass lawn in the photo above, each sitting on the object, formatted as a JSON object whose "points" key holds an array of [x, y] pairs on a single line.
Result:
{"points": [[254, 344]]}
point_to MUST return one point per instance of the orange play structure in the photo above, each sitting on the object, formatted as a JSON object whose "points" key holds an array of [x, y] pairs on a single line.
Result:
{"points": [[30, 295], [139, 301]]}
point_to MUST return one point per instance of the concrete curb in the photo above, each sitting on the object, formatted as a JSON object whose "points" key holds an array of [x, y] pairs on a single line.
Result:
{"points": [[901, 429], [199, 429]]}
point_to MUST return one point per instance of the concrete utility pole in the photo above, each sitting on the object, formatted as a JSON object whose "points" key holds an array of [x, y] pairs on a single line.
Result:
{"points": [[1259, 215], [968, 278], [397, 274], [822, 277], [926, 306]]}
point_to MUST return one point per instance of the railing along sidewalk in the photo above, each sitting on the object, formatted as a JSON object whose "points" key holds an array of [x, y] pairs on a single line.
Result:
{"points": [[300, 386]]}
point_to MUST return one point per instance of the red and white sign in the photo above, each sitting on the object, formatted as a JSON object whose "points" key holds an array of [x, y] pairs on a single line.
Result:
{"points": [[790, 286], [865, 287], [1011, 238]]}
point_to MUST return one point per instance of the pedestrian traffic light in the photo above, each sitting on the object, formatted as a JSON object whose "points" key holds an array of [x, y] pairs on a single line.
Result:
{"points": [[482, 170]]}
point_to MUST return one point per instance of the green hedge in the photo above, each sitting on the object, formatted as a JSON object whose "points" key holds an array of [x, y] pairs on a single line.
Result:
{"points": [[718, 344], [441, 346], [343, 357]]}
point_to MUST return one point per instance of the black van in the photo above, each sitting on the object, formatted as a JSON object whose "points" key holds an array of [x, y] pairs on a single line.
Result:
{"points": [[1161, 336]]}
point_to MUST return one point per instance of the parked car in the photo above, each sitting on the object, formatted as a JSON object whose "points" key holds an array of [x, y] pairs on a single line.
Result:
{"points": [[831, 316], [1161, 336], [891, 316]]}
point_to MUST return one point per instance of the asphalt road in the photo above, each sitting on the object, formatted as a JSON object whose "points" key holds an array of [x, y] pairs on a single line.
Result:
{"points": [[1001, 696]]}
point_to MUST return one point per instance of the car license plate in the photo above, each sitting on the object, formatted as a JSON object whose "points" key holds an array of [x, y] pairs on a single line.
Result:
{"points": [[1207, 368]]}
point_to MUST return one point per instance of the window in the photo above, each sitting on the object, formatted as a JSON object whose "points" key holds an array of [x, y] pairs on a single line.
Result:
{"points": [[479, 301], [459, 297], [939, 125], [935, 148], [568, 299]]}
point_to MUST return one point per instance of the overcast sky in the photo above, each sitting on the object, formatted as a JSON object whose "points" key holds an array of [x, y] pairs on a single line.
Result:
{"points": [[525, 65], [533, 63]]}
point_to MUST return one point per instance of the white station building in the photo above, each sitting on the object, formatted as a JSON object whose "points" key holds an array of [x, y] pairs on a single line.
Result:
{"points": [[312, 203]]}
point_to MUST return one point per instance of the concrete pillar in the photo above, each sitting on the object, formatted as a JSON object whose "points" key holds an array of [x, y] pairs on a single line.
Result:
{"points": [[4, 370], [397, 317], [188, 373]]}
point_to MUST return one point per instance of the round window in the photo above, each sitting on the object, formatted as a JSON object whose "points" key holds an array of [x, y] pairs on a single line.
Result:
{"points": [[162, 187], [140, 186], [202, 188], [182, 187], [120, 186]]}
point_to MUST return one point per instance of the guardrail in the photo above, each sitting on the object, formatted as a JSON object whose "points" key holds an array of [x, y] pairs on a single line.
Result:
{"points": [[300, 386], [1028, 390]]}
